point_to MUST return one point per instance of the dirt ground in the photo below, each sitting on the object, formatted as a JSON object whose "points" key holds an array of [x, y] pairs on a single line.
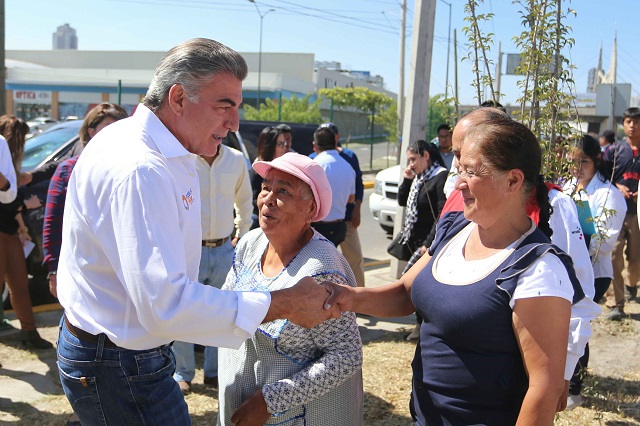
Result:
{"points": [[611, 394]]}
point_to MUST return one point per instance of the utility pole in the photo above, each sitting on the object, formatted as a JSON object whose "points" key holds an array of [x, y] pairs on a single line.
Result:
{"points": [[498, 72], [403, 30], [455, 72], [415, 116], [3, 89], [446, 86]]}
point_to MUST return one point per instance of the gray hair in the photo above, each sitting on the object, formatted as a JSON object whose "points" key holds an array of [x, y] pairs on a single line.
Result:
{"points": [[191, 64]]}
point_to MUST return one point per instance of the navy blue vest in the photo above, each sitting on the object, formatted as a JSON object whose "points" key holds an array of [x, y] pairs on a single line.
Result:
{"points": [[468, 369]]}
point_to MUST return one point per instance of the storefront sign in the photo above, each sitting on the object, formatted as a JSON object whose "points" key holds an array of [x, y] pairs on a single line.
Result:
{"points": [[31, 97]]}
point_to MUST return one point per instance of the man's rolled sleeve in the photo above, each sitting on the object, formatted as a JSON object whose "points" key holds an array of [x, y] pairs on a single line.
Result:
{"points": [[252, 308]]}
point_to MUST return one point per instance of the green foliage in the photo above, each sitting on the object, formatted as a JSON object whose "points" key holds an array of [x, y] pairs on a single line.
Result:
{"points": [[293, 110], [388, 119], [358, 98], [441, 111], [480, 45]]}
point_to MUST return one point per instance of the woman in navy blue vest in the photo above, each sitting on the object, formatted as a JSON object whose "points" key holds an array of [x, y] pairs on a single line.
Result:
{"points": [[494, 293]]}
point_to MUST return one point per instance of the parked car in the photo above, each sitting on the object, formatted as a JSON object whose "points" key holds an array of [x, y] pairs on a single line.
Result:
{"points": [[46, 148], [384, 200]]}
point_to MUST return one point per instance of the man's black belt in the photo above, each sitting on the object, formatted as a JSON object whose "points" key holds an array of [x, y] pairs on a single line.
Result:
{"points": [[87, 337], [215, 243]]}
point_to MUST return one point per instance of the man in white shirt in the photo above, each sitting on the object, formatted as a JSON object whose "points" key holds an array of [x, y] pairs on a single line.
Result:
{"points": [[342, 179], [131, 248], [224, 189]]}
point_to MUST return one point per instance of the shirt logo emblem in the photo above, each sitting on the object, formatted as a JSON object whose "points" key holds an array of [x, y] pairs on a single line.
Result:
{"points": [[187, 199]]}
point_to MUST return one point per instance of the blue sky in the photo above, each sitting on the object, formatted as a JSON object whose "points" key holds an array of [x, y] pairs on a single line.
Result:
{"points": [[360, 34]]}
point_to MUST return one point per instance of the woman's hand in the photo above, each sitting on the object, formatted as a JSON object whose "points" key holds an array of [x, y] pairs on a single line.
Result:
{"points": [[32, 202], [340, 298], [408, 173], [53, 285], [23, 233], [252, 411]]}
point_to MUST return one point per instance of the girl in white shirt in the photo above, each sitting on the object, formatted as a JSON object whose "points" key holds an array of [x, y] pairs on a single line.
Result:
{"points": [[591, 191]]}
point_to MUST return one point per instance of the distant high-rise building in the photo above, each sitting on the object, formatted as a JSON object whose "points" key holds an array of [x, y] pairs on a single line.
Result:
{"points": [[591, 81], [65, 38]]}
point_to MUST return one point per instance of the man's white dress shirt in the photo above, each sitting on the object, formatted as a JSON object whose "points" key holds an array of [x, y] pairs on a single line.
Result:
{"points": [[225, 186], [131, 243]]}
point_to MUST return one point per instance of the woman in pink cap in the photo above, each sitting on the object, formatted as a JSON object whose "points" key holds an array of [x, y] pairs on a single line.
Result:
{"points": [[286, 374]]}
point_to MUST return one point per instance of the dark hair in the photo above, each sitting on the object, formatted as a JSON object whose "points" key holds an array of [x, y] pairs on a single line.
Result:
{"points": [[493, 104], [267, 143], [284, 128], [608, 135], [420, 146], [446, 127], [505, 144], [325, 139], [97, 115], [632, 112], [330, 126], [14, 130], [192, 64], [590, 147]]}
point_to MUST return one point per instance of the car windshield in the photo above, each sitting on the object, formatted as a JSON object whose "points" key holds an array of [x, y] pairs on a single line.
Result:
{"points": [[42, 146]]}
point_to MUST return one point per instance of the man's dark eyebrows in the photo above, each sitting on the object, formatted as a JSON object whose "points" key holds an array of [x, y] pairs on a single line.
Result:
{"points": [[228, 101]]}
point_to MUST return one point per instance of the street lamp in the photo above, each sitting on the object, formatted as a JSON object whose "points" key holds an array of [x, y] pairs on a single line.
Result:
{"points": [[262, 15]]}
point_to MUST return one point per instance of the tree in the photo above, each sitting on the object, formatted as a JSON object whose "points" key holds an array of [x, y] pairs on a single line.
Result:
{"points": [[292, 110], [358, 99], [441, 111]]}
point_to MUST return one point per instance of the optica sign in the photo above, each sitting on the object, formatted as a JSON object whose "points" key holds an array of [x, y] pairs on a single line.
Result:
{"points": [[32, 97]]}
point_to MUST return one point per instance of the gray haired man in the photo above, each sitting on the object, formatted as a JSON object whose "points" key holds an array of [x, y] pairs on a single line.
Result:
{"points": [[131, 249]]}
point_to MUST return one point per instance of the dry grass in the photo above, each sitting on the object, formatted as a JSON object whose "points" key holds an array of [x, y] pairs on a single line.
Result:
{"points": [[611, 394]]}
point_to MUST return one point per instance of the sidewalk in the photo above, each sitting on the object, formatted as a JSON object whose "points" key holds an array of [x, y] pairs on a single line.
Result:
{"points": [[31, 378]]}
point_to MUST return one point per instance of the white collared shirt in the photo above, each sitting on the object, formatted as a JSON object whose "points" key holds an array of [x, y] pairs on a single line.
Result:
{"points": [[224, 186], [567, 235], [131, 243], [6, 168], [608, 209], [342, 179]]}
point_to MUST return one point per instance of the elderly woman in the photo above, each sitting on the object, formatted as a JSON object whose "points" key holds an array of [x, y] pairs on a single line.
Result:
{"points": [[486, 355], [286, 374]]}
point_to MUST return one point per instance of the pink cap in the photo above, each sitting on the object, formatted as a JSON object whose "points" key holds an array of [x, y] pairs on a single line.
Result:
{"points": [[308, 171]]}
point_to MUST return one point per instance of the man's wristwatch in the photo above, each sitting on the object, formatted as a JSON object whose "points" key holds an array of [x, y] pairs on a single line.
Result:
{"points": [[6, 186], [51, 274]]}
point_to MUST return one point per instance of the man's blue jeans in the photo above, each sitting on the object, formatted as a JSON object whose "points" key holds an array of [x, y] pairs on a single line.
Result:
{"points": [[117, 386], [215, 263]]}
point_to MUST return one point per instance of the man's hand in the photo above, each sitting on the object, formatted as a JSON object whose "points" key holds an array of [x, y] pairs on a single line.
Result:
{"points": [[355, 216], [32, 203], [252, 411], [25, 178], [423, 250], [303, 304], [562, 402], [234, 242], [625, 190]]}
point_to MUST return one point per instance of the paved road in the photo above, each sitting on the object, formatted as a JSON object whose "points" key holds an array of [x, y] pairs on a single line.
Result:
{"points": [[373, 239]]}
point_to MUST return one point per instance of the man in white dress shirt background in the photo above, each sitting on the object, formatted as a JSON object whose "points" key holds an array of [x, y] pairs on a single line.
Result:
{"points": [[342, 179], [224, 190], [131, 249]]}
